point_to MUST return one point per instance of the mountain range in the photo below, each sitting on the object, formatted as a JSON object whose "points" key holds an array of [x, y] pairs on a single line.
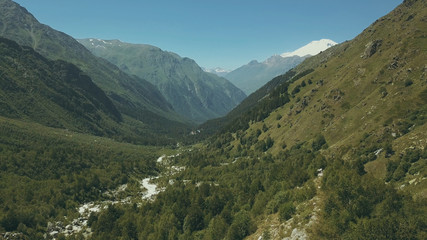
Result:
{"points": [[138, 101], [191, 91], [254, 75]]}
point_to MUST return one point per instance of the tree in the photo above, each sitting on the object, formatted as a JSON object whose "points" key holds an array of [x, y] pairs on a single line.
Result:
{"points": [[241, 227]]}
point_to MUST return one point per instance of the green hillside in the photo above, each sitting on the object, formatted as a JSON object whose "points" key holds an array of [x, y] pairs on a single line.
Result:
{"points": [[53, 93], [132, 96], [191, 91]]}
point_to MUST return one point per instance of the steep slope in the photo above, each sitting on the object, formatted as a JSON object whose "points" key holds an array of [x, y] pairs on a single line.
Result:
{"points": [[191, 91], [255, 74], [363, 105], [54, 93], [134, 97]]}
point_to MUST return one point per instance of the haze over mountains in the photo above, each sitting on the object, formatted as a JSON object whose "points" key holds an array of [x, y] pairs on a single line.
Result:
{"points": [[253, 75], [191, 91]]}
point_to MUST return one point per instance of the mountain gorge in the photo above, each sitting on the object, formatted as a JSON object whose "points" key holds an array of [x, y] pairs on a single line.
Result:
{"points": [[335, 148], [191, 91]]}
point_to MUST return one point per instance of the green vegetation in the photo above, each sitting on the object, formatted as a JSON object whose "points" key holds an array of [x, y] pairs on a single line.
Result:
{"points": [[213, 198], [46, 173]]}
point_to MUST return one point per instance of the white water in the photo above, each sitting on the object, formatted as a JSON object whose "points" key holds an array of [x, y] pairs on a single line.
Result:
{"points": [[151, 188], [148, 192]]}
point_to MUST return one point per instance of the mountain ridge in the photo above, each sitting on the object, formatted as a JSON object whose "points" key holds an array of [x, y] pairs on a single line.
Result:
{"points": [[191, 91], [133, 97], [38, 89]]}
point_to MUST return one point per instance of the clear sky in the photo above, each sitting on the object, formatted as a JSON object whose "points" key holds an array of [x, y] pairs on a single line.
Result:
{"points": [[215, 33]]}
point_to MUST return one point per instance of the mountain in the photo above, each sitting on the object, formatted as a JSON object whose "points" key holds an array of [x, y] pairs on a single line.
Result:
{"points": [[135, 98], [53, 93], [218, 71], [191, 91], [313, 48], [253, 75]]}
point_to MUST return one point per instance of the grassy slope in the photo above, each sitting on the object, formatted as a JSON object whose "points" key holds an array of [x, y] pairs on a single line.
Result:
{"points": [[362, 104]]}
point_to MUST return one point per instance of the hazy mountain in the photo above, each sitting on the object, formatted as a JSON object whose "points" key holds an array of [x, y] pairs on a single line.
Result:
{"points": [[132, 96], [191, 91], [253, 75]]}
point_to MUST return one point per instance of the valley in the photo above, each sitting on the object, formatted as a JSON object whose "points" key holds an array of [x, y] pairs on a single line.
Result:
{"points": [[103, 139]]}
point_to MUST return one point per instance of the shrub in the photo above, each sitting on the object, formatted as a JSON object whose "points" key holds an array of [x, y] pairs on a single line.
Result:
{"points": [[286, 211]]}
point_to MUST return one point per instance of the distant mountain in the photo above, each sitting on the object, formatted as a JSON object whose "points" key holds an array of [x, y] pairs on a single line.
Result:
{"points": [[218, 71], [136, 98], [191, 91], [53, 93], [253, 75]]}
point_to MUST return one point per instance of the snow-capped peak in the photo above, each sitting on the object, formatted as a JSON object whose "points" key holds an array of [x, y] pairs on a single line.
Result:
{"points": [[312, 48], [216, 70]]}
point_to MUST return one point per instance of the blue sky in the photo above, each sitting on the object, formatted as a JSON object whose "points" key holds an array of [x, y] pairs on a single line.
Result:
{"points": [[215, 33]]}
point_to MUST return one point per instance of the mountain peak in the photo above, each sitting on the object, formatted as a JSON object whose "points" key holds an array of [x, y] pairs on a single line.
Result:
{"points": [[313, 48]]}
